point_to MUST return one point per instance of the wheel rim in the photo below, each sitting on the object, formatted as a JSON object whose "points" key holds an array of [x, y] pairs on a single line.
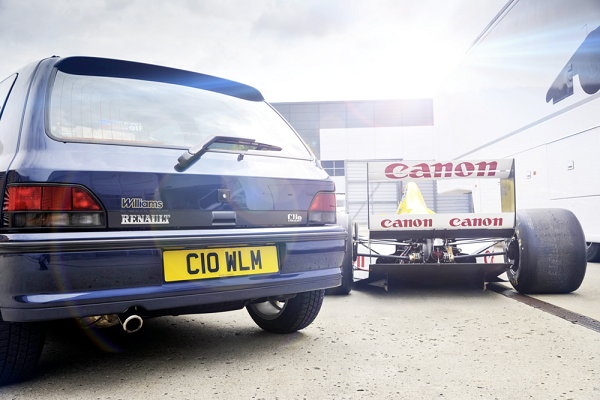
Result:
{"points": [[269, 310], [588, 245], [513, 250]]}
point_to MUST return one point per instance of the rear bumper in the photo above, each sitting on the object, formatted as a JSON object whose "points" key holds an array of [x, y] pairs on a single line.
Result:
{"points": [[19, 243], [55, 276]]}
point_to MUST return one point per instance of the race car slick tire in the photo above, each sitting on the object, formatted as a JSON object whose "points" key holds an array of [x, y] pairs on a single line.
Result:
{"points": [[347, 265], [21, 345], [548, 253], [593, 251], [287, 316]]}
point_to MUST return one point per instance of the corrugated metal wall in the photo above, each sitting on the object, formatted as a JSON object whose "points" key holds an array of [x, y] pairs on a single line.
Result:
{"points": [[356, 191], [385, 196]]}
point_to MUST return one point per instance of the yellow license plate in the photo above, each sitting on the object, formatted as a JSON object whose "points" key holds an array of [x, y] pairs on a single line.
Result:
{"points": [[183, 265]]}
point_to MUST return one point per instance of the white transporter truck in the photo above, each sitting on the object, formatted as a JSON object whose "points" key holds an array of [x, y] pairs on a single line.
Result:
{"points": [[542, 250], [529, 89]]}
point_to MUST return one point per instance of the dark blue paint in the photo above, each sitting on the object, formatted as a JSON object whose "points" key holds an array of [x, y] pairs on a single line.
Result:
{"points": [[43, 286]]}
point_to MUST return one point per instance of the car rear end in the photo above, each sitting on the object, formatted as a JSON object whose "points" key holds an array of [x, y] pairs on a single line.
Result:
{"points": [[99, 218]]}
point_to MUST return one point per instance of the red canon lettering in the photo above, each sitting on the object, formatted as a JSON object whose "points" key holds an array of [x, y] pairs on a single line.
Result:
{"points": [[455, 222], [482, 166], [386, 223], [461, 172], [389, 171], [423, 172], [439, 167]]}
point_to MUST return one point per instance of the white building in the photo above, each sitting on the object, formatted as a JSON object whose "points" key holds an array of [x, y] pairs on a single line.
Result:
{"points": [[362, 130]]}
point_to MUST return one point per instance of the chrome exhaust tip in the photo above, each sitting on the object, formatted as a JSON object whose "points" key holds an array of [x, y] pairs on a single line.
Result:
{"points": [[131, 322]]}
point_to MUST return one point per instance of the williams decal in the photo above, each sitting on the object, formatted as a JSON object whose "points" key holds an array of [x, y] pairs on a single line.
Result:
{"points": [[131, 219], [140, 203]]}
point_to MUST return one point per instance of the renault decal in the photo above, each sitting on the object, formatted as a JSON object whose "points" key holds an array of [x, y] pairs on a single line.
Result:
{"points": [[130, 219]]}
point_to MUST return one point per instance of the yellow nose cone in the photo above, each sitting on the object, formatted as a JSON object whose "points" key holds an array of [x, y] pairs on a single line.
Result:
{"points": [[412, 202]]}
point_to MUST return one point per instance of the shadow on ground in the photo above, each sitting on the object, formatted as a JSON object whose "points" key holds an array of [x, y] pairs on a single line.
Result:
{"points": [[164, 344]]}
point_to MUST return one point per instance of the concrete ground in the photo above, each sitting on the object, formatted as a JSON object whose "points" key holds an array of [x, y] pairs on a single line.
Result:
{"points": [[423, 339], [585, 300]]}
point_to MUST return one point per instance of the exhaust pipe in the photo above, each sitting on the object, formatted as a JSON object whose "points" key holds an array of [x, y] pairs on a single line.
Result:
{"points": [[130, 321]]}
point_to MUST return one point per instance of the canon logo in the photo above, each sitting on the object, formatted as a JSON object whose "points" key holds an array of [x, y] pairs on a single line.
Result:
{"points": [[476, 222], [441, 170], [407, 223], [428, 222]]}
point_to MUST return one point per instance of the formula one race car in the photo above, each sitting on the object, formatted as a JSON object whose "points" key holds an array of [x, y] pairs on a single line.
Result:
{"points": [[541, 250]]}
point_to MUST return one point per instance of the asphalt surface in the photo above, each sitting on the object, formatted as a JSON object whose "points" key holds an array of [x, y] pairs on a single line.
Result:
{"points": [[422, 339]]}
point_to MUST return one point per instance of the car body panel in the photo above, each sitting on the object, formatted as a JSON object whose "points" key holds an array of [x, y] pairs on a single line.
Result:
{"points": [[65, 273]]}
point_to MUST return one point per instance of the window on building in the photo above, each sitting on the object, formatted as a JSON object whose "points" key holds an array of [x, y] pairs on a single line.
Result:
{"points": [[334, 168]]}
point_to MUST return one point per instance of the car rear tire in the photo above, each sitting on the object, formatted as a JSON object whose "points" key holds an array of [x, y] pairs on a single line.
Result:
{"points": [[21, 345], [347, 265], [287, 316], [593, 251], [548, 253]]}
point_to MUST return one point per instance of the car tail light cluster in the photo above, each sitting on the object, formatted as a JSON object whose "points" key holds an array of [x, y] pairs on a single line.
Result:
{"points": [[322, 209], [41, 206]]}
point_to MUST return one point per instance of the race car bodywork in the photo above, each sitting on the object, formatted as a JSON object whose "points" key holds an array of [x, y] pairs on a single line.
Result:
{"points": [[543, 251]]}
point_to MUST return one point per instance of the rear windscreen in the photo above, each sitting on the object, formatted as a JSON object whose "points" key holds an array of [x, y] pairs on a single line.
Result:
{"points": [[144, 113]]}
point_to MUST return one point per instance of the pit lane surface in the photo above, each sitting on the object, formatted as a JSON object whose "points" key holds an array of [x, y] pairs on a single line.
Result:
{"points": [[425, 338]]}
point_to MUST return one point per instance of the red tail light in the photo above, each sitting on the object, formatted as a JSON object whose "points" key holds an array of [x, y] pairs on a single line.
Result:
{"points": [[83, 201], [29, 206], [322, 209], [54, 198], [23, 198]]}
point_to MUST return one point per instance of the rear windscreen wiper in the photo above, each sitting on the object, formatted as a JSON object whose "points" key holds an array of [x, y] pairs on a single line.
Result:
{"points": [[197, 150]]}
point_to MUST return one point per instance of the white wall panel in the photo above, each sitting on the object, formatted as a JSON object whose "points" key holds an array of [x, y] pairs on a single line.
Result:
{"points": [[573, 166], [418, 142], [388, 143], [334, 144], [407, 142]]}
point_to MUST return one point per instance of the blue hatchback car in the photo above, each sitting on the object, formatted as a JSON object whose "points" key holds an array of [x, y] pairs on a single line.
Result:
{"points": [[132, 190]]}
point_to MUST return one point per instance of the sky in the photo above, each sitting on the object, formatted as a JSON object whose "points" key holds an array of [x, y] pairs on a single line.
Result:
{"points": [[291, 50]]}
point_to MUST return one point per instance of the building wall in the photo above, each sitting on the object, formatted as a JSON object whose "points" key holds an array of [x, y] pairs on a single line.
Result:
{"points": [[355, 119], [362, 130], [338, 131]]}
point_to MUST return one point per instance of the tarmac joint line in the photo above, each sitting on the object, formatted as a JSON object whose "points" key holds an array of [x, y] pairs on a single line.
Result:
{"points": [[567, 315]]}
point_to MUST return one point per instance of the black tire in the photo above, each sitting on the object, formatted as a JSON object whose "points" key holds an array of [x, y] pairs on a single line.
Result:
{"points": [[287, 316], [347, 264], [21, 345], [593, 251], [548, 253]]}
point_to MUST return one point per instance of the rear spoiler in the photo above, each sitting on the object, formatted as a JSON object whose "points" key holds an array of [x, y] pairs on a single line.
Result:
{"points": [[404, 226]]}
